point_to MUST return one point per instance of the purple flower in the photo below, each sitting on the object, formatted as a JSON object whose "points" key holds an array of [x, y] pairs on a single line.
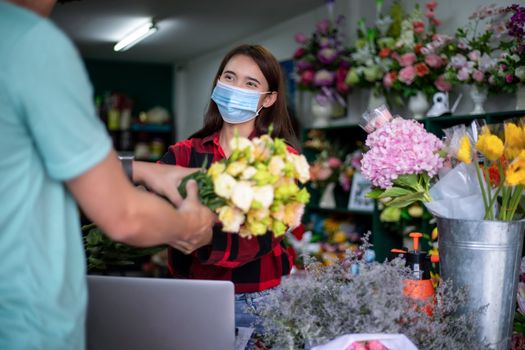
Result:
{"points": [[323, 78], [323, 26], [303, 65], [463, 74], [300, 38], [474, 55], [324, 42], [327, 56], [458, 61]]}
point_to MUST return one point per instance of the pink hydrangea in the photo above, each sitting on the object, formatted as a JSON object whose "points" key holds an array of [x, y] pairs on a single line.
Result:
{"points": [[400, 147]]}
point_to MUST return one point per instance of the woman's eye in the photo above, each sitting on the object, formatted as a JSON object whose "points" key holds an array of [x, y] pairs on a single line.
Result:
{"points": [[228, 77], [251, 84]]}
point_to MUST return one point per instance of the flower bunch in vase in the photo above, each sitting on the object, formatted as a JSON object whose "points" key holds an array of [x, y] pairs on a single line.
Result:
{"points": [[370, 59], [419, 59], [322, 62], [402, 158], [498, 155], [255, 190]]}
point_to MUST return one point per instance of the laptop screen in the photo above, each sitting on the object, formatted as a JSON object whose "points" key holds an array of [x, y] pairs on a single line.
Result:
{"points": [[152, 313]]}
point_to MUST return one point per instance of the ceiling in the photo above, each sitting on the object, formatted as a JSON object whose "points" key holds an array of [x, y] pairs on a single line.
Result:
{"points": [[186, 28]]}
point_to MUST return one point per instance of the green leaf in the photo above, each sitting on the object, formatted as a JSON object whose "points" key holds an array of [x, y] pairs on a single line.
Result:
{"points": [[404, 201], [395, 192], [408, 180], [375, 193]]}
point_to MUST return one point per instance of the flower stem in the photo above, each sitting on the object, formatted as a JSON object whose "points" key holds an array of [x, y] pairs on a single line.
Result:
{"points": [[480, 181], [489, 192], [516, 197]]}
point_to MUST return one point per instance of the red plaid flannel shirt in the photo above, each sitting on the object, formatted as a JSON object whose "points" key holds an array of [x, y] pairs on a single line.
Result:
{"points": [[252, 264]]}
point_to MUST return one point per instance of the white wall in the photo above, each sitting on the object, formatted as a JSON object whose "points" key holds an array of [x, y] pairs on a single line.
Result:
{"points": [[193, 80]]}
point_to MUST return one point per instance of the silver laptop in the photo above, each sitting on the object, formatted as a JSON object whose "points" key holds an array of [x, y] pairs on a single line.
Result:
{"points": [[153, 313]]}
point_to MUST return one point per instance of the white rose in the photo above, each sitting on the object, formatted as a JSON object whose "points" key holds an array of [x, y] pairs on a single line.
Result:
{"points": [[302, 169], [231, 218], [248, 173], [242, 195], [276, 166], [263, 195], [223, 185]]}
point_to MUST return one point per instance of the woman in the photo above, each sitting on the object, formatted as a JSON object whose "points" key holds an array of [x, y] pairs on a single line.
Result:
{"points": [[247, 98]]}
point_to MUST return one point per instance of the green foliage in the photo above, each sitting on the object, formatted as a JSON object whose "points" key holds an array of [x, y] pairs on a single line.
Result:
{"points": [[207, 195], [102, 253]]}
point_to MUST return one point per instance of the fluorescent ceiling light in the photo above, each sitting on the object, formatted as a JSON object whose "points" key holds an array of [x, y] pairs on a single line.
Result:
{"points": [[135, 36]]}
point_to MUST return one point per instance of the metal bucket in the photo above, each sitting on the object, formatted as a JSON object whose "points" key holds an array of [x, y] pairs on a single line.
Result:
{"points": [[485, 257]]}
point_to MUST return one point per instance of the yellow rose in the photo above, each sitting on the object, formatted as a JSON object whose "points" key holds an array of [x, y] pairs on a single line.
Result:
{"points": [[490, 146], [277, 210], [231, 218], [223, 185]]}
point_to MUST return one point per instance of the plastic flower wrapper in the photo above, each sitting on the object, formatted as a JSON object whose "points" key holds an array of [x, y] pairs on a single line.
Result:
{"points": [[401, 160], [255, 190]]}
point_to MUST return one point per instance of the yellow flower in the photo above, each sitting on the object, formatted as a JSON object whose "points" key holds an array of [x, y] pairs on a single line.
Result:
{"points": [[434, 233], [515, 173], [339, 237], [490, 145], [415, 211], [465, 150], [293, 212], [278, 228], [235, 168], [276, 165], [223, 185], [231, 218], [514, 140], [216, 169]]}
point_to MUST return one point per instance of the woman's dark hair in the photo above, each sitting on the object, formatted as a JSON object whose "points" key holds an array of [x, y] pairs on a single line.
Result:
{"points": [[276, 115]]}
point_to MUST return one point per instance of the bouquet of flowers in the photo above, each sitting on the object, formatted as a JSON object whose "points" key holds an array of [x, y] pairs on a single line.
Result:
{"points": [[473, 55], [255, 190], [371, 60], [498, 156], [322, 63], [510, 70], [419, 57], [401, 160]]}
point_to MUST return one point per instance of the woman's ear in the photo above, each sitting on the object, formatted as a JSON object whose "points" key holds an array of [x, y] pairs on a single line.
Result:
{"points": [[270, 99]]}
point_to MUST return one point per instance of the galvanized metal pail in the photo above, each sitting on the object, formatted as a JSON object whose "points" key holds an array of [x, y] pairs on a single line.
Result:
{"points": [[485, 257]]}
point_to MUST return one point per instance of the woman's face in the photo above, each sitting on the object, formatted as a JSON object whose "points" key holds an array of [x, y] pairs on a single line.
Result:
{"points": [[242, 72]]}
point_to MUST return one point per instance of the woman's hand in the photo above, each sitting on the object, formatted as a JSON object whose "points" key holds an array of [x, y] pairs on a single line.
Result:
{"points": [[163, 179]]}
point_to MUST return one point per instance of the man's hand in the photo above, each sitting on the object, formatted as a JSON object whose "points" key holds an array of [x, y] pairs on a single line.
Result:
{"points": [[199, 219], [163, 179]]}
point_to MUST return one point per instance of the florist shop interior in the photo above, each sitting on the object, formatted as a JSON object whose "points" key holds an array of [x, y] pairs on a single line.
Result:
{"points": [[396, 221]]}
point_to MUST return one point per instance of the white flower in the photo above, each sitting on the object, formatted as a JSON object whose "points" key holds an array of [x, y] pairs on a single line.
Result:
{"points": [[263, 195], [231, 218], [242, 195], [276, 165], [248, 173], [520, 73], [223, 185], [300, 164], [240, 143]]}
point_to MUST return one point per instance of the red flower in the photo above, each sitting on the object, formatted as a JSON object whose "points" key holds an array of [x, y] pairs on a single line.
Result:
{"points": [[431, 6], [418, 47], [494, 175], [299, 53], [384, 52], [436, 21], [421, 69], [419, 26]]}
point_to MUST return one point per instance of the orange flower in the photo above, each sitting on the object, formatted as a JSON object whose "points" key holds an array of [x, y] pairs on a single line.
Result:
{"points": [[494, 175], [421, 69], [384, 52]]}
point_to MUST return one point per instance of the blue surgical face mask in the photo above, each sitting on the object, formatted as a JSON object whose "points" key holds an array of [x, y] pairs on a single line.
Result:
{"points": [[236, 105]]}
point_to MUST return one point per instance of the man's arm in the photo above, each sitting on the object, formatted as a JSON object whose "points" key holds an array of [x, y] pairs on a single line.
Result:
{"points": [[137, 217]]}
